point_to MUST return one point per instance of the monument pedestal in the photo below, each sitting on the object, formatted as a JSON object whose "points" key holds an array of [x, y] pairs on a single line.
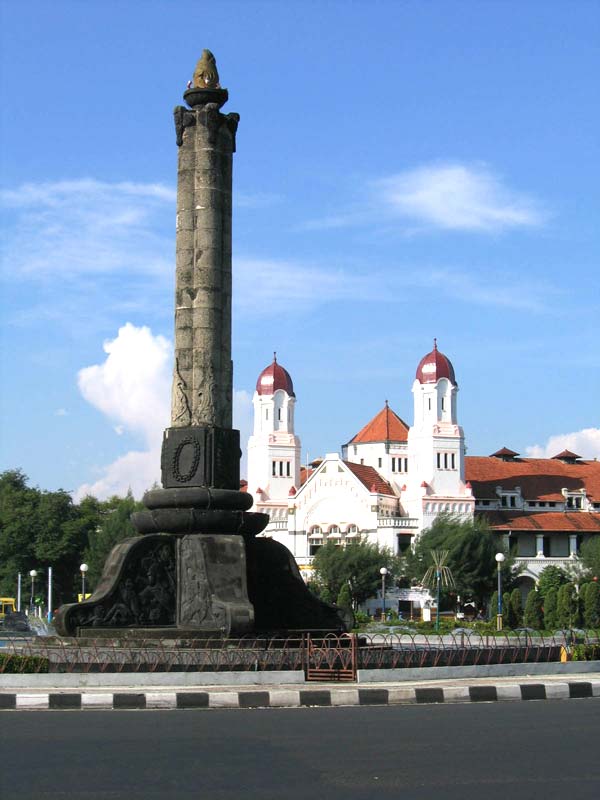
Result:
{"points": [[187, 576]]}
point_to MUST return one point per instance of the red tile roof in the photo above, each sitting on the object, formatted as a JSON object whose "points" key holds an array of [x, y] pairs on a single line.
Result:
{"points": [[384, 427], [504, 452], [577, 522], [370, 478], [539, 478]]}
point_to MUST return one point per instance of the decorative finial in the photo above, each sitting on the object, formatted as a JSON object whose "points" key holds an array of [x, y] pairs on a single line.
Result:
{"points": [[386, 404], [435, 344], [274, 356], [206, 75]]}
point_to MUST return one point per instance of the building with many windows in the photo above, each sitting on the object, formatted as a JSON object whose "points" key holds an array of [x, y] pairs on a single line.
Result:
{"points": [[392, 480]]}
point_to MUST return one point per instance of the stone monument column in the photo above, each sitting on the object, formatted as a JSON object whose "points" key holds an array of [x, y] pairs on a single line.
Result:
{"points": [[203, 373], [197, 568]]}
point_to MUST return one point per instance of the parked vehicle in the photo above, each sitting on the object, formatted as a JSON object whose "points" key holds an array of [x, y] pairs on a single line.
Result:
{"points": [[8, 605]]}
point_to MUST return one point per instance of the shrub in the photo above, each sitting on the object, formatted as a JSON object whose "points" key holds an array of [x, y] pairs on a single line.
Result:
{"points": [[550, 609], [13, 664], [516, 607], [493, 607], [344, 598], [591, 606], [508, 620], [585, 652], [534, 614], [567, 606]]}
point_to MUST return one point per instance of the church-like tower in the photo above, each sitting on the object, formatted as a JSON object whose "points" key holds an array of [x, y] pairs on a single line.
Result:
{"points": [[273, 448], [436, 440]]}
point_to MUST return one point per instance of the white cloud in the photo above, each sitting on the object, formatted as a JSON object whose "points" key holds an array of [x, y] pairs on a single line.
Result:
{"points": [[456, 196], [271, 287], [132, 388], [585, 443], [243, 421], [86, 227]]}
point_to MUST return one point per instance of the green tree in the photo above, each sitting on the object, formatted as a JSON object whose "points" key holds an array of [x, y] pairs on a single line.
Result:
{"points": [[114, 525], [550, 608], [533, 616], [357, 566], [516, 607], [551, 578], [472, 549], [591, 606], [18, 522], [590, 556], [40, 529]]}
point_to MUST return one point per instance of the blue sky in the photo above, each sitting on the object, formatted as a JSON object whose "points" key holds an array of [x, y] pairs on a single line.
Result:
{"points": [[404, 170]]}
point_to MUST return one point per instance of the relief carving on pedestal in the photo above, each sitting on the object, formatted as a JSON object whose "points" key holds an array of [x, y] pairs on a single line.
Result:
{"points": [[181, 414]]}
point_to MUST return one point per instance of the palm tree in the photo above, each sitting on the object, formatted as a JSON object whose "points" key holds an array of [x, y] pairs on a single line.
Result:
{"points": [[438, 574]]}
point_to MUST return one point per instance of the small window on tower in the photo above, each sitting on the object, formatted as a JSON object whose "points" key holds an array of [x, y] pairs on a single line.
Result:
{"points": [[445, 460], [288, 468], [379, 462], [453, 458], [274, 468], [406, 465], [429, 403], [443, 404], [439, 460], [281, 469], [266, 413], [279, 414], [393, 465]]}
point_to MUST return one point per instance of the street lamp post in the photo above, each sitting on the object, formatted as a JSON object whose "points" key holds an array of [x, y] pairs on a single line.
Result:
{"points": [[438, 579], [499, 559], [83, 569], [383, 572], [33, 576]]}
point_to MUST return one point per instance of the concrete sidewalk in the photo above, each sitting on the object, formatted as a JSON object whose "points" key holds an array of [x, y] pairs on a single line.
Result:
{"points": [[295, 695]]}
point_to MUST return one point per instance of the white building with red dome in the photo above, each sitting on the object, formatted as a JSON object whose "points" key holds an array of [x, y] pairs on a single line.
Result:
{"points": [[392, 479], [389, 483]]}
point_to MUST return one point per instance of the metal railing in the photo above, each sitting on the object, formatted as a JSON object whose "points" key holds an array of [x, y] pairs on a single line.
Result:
{"points": [[333, 657]]}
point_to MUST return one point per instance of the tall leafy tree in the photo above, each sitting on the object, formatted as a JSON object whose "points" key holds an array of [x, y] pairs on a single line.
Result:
{"points": [[472, 549], [551, 579], [114, 525], [356, 566], [18, 523]]}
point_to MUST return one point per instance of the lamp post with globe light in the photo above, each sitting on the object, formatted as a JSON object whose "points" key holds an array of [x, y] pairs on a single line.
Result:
{"points": [[33, 576], [383, 572], [83, 569], [499, 559]]}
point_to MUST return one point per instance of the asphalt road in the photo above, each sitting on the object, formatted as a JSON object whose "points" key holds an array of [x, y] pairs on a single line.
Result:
{"points": [[547, 749]]}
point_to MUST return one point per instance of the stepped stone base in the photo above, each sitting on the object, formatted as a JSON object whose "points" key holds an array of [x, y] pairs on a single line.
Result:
{"points": [[203, 574]]}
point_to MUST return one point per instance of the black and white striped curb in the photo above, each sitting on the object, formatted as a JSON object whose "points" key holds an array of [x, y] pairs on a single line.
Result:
{"points": [[295, 698]]}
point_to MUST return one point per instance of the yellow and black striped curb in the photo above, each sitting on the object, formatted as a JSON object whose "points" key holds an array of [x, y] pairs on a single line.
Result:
{"points": [[295, 698]]}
